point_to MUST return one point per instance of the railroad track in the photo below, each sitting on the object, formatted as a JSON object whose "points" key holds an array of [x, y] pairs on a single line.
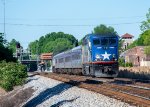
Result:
{"points": [[136, 86], [130, 93]]}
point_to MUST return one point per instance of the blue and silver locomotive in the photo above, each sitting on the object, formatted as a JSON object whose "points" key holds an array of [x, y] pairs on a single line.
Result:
{"points": [[97, 56]]}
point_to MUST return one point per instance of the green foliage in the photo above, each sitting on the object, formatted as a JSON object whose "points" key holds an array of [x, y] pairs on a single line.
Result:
{"points": [[146, 37], [2, 41], [11, 74], [146, 24], [134, 44], [104, 30], [143, 40], [53, 42], [147, 50], [128, 64], [5, 52], [12, 45], [34, 46], [120, 45], [123, 64]]}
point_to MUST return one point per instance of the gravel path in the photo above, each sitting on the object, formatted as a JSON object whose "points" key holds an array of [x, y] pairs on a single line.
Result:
{"points": [[52, 93]]}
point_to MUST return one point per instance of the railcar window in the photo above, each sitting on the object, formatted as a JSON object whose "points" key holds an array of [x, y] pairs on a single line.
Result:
{"points": [[60, 60], [75, 56], [55, 60], [68, 58], [104, 41], [112, 41], [96, 42]]}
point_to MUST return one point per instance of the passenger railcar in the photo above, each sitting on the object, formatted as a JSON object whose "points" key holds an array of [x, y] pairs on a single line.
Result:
{"points": [[97, 56]]}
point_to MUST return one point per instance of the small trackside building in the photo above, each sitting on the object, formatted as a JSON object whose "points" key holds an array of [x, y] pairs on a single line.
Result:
{"points": [[137, 56]]}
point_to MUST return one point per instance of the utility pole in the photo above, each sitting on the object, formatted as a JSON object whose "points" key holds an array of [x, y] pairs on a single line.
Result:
{"points": [[4, 20]]}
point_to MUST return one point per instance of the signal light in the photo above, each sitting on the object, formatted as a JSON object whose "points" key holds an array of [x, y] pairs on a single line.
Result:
{"points": [[18, 54], [18, 45]]}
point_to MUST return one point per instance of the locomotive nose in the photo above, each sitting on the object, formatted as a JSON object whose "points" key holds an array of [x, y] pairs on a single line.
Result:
{"points": [[105, 54]]}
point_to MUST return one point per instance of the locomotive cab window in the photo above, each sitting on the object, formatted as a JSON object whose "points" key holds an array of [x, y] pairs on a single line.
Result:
{"points": [[112, 41], [96, 42], [104, 41]]}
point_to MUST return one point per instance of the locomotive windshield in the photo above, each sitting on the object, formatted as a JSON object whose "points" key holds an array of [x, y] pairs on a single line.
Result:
{"points": [[112, 41], [105, 41], [96, 42]]}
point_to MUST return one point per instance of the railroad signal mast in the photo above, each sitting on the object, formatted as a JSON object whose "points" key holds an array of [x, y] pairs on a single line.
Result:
{"points": [[18, 51], [22, 54]]}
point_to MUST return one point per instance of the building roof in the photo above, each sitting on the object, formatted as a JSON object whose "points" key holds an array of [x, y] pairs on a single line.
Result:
{"points": [[127, 36], [46, 56], [133, 51]]}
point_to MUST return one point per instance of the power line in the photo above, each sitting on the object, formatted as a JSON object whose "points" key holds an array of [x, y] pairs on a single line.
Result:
{"points": [[121, 17], [47, 25]]}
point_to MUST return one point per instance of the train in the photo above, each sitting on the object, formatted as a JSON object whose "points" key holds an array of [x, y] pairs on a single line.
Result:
{"points": [[96, 57]]}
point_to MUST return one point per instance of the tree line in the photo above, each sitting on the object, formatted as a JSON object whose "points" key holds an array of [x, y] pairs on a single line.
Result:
{"points": [[144, 37], [5, 52]]}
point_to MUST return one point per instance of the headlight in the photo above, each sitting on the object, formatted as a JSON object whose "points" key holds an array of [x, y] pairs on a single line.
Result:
{"points": [[97, 56], [113, 55]]}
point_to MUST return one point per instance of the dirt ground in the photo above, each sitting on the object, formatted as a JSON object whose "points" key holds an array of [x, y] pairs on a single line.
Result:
{"points": [[2, 91], [16, 97]]}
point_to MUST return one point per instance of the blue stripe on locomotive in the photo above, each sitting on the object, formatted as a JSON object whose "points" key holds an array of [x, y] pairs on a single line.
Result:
{"points": [[105, 50]]}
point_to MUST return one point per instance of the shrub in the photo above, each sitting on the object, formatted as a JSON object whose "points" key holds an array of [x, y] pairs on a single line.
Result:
{"points": [[123, 64], [11, 74], [7, 85]]}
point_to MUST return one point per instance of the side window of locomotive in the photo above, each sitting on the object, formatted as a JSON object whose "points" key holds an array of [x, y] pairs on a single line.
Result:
{"points": [[96, 42], [112, 41], [104, 41]]}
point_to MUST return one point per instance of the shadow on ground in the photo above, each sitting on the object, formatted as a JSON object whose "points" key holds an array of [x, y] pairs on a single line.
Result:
{"points": [[34, 74], [29, 80], [63, 102], [48, 93]]}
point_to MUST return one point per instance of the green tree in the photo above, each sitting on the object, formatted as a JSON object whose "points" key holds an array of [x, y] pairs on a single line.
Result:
{"points": [[120, 45], [2, 41], [5, 52], [146, 24], [12, 45], [54, 42], [34, 47], [133, 44], [104, 30], [147, 50], [144, 39]]}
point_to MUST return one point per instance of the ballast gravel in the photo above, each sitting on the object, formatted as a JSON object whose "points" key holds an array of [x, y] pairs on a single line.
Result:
{"points": [[53, 93]]}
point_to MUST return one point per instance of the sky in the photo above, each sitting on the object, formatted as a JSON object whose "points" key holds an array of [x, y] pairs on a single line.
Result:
{"points": [[28, 20]]}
